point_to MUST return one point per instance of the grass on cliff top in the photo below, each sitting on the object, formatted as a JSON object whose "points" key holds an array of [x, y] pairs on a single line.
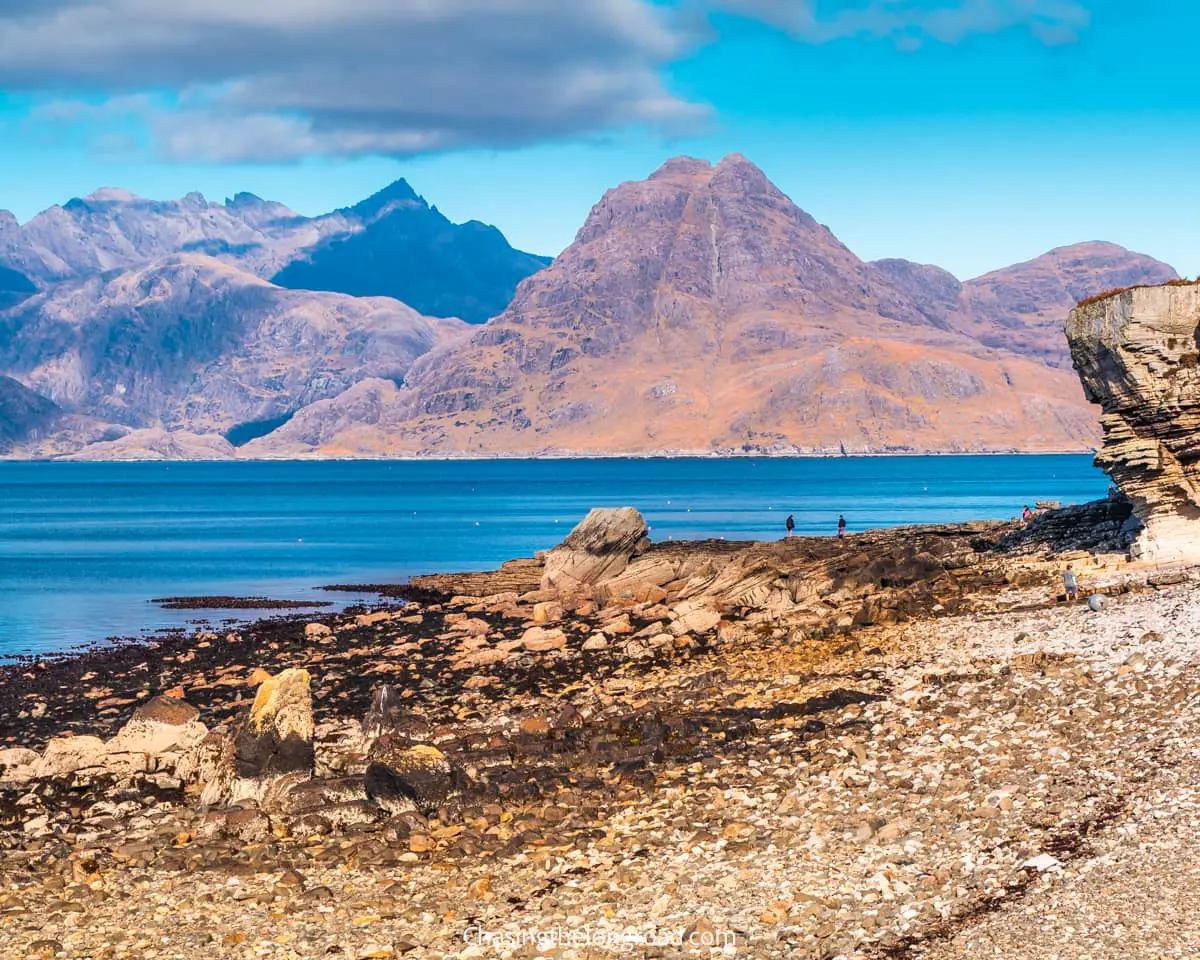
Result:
{"points": [[1105, 294]]}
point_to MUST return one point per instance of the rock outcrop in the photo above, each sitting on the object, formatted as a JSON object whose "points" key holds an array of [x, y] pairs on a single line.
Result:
{"points": [[154, 740], [273, 741], [1137, 352], [402, 778], [163, 728], [599, 548]]}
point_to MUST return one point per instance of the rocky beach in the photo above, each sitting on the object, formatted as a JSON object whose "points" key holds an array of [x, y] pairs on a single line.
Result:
{"points": [[905, 744]]}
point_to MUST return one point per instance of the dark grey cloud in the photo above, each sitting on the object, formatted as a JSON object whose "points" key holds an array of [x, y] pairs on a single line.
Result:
{"points": [[270, 80], [273, 79]]}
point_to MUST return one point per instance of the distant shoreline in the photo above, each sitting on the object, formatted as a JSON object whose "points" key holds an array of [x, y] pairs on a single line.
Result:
{"points": [[444, 458]]}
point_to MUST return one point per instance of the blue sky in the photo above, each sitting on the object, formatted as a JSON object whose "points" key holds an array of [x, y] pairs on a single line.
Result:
{"points": [[967, 133]]}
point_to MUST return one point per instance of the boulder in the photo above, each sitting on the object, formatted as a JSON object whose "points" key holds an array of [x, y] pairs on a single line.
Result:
{"points": [[597, 641], [1137, 353], [599, 548], [163, 726], [274, 739], [401, 777], [385, 713], [203, 761], [547, 611], [17, 764], [692, 619], [541, 639], [65, 755]]}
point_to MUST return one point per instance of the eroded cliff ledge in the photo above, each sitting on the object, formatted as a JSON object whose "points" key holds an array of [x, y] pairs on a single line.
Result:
{"points": [[1137, 352]]}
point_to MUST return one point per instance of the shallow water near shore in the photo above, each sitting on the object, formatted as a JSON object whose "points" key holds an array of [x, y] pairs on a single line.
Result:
{"points": [[84, 547]]}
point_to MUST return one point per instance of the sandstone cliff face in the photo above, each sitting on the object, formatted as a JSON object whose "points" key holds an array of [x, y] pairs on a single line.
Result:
{"points": [[191, 343], [702, 311], [1138, 355]]}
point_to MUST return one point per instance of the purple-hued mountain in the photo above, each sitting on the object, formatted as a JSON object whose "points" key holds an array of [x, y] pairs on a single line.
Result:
{"points": [[408, 250], [700, 310], [391, 244], [697, 310]]}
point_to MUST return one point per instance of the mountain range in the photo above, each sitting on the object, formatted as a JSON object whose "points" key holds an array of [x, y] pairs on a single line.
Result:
{"points": [[697, 311]]}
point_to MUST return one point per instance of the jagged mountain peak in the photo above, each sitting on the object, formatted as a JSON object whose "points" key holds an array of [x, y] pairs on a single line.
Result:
{"points": [[681, 167], [399, 193]]}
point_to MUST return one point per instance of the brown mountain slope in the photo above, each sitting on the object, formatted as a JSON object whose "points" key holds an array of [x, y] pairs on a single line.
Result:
{"points": [[1022, 308], [700, 310]]}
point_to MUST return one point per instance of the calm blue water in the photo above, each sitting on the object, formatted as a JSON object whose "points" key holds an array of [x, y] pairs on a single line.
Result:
{"points": [[84, 546]]}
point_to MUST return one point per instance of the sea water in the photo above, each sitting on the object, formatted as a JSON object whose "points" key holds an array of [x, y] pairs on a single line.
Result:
{"points": [[84, 547]]}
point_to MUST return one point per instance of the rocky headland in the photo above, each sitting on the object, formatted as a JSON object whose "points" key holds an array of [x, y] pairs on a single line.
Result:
{"points": [[1138, 354], [903, 744]]}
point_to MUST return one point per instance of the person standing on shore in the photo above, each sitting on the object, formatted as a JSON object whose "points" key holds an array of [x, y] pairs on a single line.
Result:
{"points": [[790, 523], [1026, 514], [841, 527], [1069, 582]]}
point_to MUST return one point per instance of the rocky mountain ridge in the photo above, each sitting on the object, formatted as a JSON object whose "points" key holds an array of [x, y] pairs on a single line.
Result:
{"points": [[190, 343], [449, 270], [391, 243], [701, 311], [698, 311]]}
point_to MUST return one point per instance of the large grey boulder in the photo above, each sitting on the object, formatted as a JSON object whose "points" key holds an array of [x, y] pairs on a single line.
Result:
{"points": [[599, 548]]}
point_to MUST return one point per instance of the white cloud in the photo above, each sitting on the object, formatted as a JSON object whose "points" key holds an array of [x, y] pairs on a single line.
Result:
{"points": [[273, 80]]}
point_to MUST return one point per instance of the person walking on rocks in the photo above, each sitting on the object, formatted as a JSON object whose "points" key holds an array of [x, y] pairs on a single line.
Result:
{"points": [[1069, 582], [841, 527], [790, 523]]}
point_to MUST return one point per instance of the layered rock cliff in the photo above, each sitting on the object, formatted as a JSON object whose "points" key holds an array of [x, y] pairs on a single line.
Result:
{"points": [[1137, 352]]}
